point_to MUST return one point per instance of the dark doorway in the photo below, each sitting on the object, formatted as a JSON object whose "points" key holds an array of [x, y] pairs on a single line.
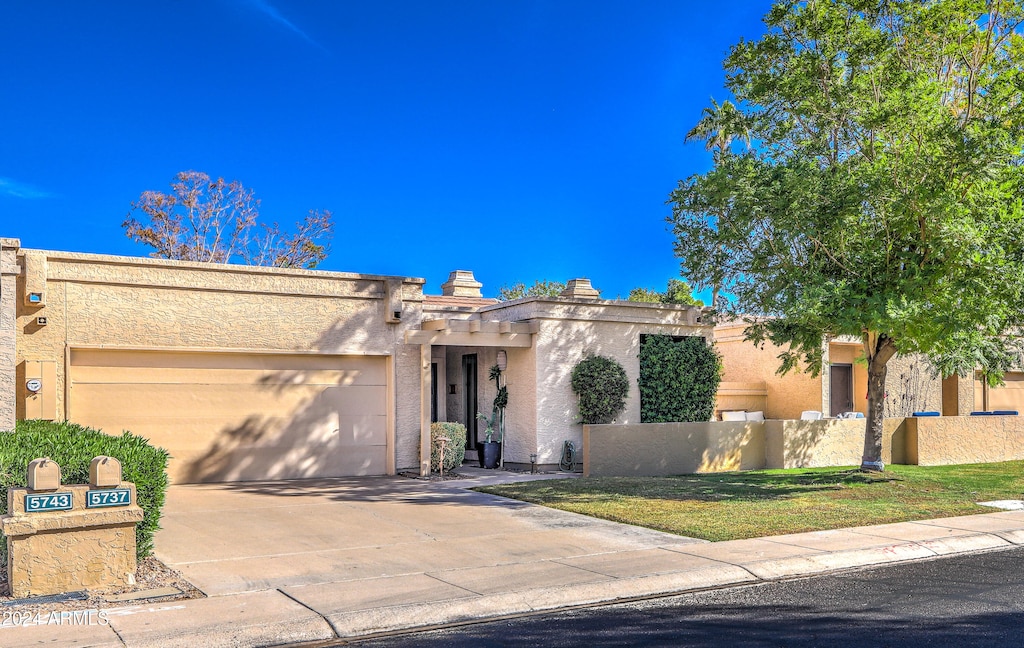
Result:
{"points": [[433, 392], [469, 403], [841, 388]]}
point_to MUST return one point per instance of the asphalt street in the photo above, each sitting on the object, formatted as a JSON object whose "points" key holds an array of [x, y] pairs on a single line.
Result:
{"points": [[972, 600]]}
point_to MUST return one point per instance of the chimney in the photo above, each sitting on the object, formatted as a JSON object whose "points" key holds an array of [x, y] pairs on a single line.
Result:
{"points": [[461, 283], [580, 289]]}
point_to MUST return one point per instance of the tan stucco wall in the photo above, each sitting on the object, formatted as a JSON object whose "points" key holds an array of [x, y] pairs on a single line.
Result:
{"points": [[8, 313], [125, 302], [652, 449], [950, 440], [1008, 396], [787, 395], [736, 396], [831, 442], [568, 331]]}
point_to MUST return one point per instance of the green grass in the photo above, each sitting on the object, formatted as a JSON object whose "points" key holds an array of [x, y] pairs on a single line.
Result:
{"points": [[730, 506]]}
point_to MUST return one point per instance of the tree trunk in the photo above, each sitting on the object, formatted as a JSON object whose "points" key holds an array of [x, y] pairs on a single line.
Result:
{"points": [[879, 349]]}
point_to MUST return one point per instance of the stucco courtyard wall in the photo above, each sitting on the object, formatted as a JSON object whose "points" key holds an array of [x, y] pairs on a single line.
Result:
{"points": [[947, 440], [657, 449], [828, 442], [97, 302]]}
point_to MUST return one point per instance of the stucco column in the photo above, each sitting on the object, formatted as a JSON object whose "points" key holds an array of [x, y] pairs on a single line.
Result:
{"points": [[8, 317], [425, 354]]}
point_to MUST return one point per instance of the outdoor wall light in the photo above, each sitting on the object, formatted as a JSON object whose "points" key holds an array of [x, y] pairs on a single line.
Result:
{"points": [[502, 359]]}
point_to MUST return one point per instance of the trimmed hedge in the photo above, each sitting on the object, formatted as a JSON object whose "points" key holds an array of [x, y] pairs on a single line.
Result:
{"points": [[454, 452], [602, 387], [679, 379], [73, 447]]}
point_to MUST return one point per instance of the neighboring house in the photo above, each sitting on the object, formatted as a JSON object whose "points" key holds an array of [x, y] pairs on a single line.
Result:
{"points": [[750, 372], [247, 373]]}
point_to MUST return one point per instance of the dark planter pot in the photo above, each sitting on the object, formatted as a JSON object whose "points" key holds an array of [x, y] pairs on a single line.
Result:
{"points": [[488, 453]]}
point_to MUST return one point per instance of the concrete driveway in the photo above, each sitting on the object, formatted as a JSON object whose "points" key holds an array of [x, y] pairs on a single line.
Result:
{"points": [[243, 537]]}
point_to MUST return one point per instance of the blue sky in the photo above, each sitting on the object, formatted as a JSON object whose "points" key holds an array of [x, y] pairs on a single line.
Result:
{"points": [[519, 139]]}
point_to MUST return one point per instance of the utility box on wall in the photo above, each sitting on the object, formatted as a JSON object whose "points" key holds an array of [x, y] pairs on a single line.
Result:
{"points": [[40, 389]]}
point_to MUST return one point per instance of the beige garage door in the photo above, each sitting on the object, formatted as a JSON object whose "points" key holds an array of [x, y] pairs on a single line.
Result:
{"points": [[239, 416], [1006, 397]]}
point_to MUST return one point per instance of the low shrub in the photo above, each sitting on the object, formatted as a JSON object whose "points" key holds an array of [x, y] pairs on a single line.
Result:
{"points": [[602, 387], [73, 447], [455, 449]]}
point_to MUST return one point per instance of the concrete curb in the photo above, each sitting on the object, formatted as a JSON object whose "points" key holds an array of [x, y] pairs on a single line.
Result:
{"points": [[401, 618], [405, 617]]}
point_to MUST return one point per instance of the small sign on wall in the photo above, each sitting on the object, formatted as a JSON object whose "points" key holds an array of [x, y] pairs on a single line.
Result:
{"points": [[108, 497], [38, 503]]}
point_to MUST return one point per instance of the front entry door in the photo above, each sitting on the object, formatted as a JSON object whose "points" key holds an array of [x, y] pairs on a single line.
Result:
{"points": [[469, 402], [841, 388]]}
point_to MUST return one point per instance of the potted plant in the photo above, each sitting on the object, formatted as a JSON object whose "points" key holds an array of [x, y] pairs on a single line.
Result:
{"points": [[500, 403], [489, 450]]}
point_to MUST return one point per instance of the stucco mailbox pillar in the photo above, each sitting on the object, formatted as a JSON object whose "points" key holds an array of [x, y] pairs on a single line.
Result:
{"points": [[69, 538]]}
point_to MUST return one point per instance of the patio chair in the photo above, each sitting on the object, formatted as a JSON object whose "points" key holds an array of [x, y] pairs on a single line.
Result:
{"points": [[810, 415], [850, 415]]}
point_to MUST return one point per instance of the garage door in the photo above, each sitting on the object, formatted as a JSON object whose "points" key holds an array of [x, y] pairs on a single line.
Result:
{"points": [[1005, 397], [239, 416]]}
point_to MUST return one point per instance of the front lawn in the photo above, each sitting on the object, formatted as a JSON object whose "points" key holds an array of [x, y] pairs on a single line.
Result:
{"points": [[729, 506]]}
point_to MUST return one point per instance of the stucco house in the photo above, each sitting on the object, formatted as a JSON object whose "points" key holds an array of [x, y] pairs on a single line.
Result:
{"points": [[750, 381], [247, 373]]}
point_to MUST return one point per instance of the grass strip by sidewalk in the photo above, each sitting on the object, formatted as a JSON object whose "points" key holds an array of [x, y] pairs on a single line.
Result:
{"points": [[730, 506]]}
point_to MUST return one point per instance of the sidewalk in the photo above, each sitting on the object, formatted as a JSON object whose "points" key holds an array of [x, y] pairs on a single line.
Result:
{"points": [[292, 562]]}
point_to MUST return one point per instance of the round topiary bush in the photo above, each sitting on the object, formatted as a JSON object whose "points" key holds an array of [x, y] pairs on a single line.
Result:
{"points": [[602, 387], [455, 448]]}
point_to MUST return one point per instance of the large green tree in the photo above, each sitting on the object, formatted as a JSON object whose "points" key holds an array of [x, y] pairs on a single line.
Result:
{"points": [[540, 288], [677, 292], [880, 194]]}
